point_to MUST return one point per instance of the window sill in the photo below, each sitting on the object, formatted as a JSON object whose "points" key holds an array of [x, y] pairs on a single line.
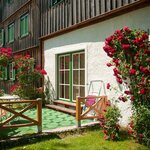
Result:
{"points": [[24, 35], [10, 42]]}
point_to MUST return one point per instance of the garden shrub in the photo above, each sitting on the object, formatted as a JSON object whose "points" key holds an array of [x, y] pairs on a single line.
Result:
{"points": [[27, 77], [110, 123]]}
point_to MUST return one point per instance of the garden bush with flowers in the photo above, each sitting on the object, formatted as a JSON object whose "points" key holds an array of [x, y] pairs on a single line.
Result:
{"points": [[5, 56], [110, 122], [129, 51], [27, 77]]}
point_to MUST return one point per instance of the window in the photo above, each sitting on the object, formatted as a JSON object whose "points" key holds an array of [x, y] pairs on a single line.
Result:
{"points": [[3, 73], [11, 71], [78, 74], [55, 2], [11, 33], [24, 27], [1, 37], [71, 76]]}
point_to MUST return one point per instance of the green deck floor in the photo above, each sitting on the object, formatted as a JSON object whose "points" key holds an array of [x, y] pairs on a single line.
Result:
{"points": [[51, 119]]}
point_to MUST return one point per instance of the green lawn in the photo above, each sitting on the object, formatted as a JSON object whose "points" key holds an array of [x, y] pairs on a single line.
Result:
{"points": [[90, 140]]}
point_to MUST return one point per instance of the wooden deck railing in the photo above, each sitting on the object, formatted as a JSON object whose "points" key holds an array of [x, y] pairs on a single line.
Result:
{"points": [[12, 114], [96, 108]]}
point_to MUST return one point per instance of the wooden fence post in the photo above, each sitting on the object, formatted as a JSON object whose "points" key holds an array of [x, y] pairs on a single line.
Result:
{"points": [[78, 112], [39, 115]]}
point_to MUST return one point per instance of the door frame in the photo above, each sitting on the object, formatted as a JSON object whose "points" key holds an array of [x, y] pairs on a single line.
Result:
{"points": [[70, 74]]}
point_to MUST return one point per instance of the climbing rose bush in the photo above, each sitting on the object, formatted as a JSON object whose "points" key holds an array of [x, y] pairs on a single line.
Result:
{"points": [[129, 51]]}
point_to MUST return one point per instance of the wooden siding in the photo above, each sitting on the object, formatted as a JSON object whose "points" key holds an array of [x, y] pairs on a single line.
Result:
{"points": [[71, 12], [22, 45], [10, 8], [32, 39]]}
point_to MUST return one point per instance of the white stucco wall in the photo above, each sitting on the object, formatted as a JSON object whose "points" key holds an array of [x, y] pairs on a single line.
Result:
{"points": [[91, 39]]}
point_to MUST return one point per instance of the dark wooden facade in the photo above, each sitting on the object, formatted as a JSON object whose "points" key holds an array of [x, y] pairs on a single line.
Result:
{"points": [[11, 11], [47, 20], [11, 14], [72, 12]]}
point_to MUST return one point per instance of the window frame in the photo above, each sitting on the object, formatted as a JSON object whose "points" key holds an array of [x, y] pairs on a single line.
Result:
{"points": [[12, 71], [24, 25], [70, 74], [2, 37], [4, 73], [11, 30]]}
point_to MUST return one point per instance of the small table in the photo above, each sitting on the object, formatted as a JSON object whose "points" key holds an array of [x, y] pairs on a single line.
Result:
{"points": [[7, 97]]}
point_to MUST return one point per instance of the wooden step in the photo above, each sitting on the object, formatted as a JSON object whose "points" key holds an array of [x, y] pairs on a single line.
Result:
{"points": [[56, 102], [62, 109]]}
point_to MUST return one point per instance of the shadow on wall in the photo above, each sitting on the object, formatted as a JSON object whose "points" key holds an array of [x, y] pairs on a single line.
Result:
{"points": [[49, 91]]}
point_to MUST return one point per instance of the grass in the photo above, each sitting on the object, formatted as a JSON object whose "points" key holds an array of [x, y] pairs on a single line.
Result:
{"points": [[89, 140]]}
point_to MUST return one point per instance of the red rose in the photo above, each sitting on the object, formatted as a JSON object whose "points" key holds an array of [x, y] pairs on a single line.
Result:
{"points": [[145, 36], [141, 135], [105, 131], [119, 80], [109, 39], [144, 70], [109, 64], [127, 92], [108, 86], [126, 46], [132, 72], [43, 72], [118, 32], [146, 51], [120, 37], [107, 48], [116, 71], [126, 29], [116, 61], [123, 99], [143, 91], [27, 56]]}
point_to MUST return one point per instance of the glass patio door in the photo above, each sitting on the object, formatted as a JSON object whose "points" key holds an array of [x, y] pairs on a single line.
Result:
{"points": [[78, 75], [64, 77], [71, 76]]}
